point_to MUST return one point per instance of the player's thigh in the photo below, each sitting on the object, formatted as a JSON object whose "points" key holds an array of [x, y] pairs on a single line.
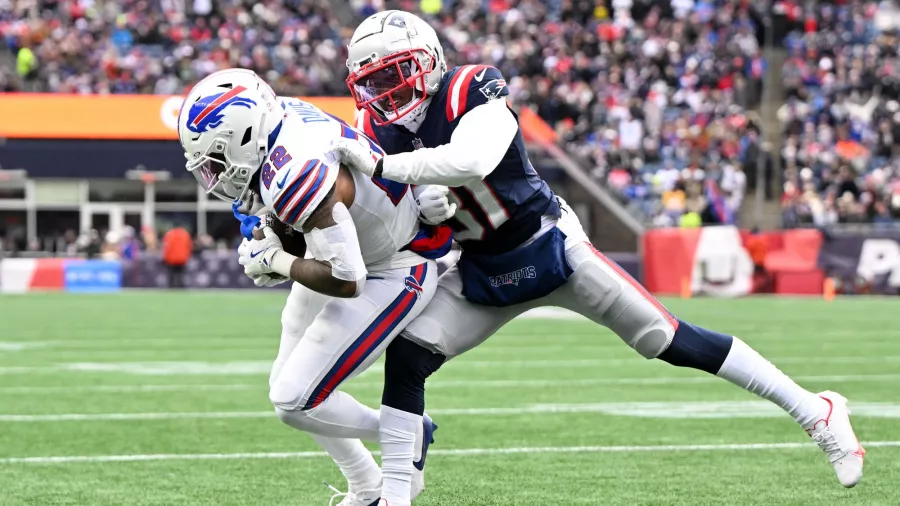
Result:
{"points": [[347, 335], [451, 325], [602, 291], [299, 311]]}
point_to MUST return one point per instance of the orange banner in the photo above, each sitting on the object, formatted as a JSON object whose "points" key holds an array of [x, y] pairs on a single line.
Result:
{"points": [[131, 117]]}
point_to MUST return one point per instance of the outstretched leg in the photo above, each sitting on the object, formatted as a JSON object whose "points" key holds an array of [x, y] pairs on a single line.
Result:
{"points": [[600, 290]]}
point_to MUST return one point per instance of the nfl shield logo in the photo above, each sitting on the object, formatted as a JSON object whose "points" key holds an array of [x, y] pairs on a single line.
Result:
{"points": [[417, 143]]}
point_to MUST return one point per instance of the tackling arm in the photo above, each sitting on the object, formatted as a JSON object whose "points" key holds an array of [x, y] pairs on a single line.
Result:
{"points": [[476, 147]]}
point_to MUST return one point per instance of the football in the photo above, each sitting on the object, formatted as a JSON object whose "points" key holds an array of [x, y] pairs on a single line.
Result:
{"points": [[292, 241]]}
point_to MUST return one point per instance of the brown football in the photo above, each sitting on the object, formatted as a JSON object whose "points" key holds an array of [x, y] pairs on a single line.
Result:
{"points": [[292, 241]]}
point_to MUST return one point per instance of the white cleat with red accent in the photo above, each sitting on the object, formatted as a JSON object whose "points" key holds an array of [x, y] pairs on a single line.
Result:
{"points": [[361, 498], [835, 437]]}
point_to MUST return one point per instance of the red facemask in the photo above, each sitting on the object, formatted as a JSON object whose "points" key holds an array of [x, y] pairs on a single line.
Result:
{"points": [[387, 85]]}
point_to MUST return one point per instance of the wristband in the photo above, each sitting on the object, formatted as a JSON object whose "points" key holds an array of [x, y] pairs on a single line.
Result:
{"points": [[281, 263]]}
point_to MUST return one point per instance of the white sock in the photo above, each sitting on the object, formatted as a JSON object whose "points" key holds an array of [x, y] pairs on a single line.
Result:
{"points": [[749, 370], [398, 440], [355, 460]]}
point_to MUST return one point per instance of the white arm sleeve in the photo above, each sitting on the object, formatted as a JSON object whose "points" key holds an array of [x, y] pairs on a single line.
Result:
{"points": [[475, 149], [339, 246]]}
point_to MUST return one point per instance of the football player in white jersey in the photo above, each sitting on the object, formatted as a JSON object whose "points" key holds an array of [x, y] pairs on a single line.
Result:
{"points": [[360, 282]]}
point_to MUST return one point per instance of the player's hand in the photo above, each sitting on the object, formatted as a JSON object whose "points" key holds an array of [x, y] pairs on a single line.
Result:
{"points": [[353, 154], [256, 255], [252, 205], [434, 207], [269, 280]]}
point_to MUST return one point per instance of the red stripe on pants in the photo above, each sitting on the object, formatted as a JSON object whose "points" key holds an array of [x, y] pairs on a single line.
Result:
{"points": [[639, 287]]}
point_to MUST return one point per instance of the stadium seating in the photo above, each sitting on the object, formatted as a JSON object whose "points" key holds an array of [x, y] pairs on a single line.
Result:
{"points": [[657, 98], [841, 120]]}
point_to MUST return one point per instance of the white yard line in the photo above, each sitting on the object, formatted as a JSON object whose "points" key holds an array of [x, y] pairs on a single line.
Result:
{"points": [[435, 451], [31, 390], [435, 384], [668, 409], [261, 367]]}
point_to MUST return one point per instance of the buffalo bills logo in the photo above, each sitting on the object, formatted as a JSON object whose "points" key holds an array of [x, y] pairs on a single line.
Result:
{"points": [[494, 89], [413, 286], [208, 112]]}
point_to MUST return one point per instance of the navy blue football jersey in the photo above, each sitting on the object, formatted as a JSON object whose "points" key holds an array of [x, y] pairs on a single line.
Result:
{"points": [[505, 209]]}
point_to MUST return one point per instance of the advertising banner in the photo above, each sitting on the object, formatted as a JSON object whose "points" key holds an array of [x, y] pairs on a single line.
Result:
{"points": [[19, 275], [92, 276], [709, 260], [111, 117], [863, 263]]}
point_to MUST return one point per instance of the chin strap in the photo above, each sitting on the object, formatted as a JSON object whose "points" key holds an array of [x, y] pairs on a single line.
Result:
{"points": [[248, 222]]}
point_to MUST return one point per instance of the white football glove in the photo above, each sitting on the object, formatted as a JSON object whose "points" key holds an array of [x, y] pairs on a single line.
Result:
{"points": [[353, 154], [434, 207], [269, 280], [256, 256]]}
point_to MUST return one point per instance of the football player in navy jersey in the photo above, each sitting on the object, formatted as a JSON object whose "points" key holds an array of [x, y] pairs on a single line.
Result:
{"points": [[522, 246]]}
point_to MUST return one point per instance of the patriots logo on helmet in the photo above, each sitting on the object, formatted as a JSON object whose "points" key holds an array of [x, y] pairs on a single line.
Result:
{"points": [[207, 112], [492, 89], [397, 20], [413, 286]]}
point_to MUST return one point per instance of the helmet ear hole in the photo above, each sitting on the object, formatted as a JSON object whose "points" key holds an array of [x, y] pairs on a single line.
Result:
{"points": [[246, 137]]}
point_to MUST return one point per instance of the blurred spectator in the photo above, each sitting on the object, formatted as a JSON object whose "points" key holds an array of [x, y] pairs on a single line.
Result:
{"points": [[89, 244], [842, 118], [144, 46], [651, 95], [176, 251], [204, 243], [129, 246]]}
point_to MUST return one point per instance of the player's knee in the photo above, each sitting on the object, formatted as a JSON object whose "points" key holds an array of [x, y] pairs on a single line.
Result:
{"points": [[407, 366], [300, 419], [698, 348], [653, 341], [291, 323], [645, 329], [286, 396]]}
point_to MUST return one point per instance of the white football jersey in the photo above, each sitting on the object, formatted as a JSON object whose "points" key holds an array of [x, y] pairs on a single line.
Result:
{"points": [[298, 175]]}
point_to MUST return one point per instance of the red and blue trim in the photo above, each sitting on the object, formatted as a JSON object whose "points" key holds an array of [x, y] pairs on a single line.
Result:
{"points": [[308, 196], [432, 241], [282, 203], [371, 338]]}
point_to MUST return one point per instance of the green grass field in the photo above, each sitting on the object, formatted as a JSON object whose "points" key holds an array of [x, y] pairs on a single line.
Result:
{"points": [[552, 411]]}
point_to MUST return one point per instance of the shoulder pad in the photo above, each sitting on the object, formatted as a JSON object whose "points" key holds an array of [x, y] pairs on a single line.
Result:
{"points": [[471, 86], [297, 189], [365, 124]]}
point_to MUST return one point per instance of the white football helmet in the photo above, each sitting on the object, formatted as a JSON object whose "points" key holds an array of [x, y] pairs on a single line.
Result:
{"points": [[396, 63], [224, 127]]}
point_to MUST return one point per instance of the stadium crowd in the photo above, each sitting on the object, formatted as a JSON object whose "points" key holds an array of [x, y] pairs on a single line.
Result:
{"points": [[842, 117], [652, 95]]}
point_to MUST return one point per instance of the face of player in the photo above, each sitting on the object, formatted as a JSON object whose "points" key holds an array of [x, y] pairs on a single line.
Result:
{"points": [[390, 87], [209, 171]]}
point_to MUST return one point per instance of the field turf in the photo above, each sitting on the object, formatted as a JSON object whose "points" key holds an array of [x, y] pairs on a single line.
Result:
{"points": [[161, 399]]}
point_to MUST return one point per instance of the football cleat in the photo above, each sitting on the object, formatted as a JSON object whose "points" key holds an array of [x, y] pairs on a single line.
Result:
{"points": [[418, 477], [361, 498], [835, 437]]}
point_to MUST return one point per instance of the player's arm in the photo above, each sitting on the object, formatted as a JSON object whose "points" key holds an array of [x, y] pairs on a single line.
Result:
{"points": [[337, 268], [475, 149], [482, 137]]}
